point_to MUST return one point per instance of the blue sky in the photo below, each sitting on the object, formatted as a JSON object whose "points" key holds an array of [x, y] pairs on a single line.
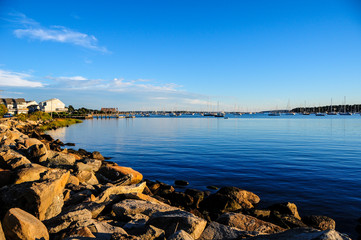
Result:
{"points": [[173, 55]]}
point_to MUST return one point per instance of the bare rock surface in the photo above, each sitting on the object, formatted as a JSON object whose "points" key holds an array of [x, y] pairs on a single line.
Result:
{"points": [[12, 159], [180, 235], [217, 231], [319, 222], [58, 159], [114, 173], [248, 223], [173, 221], [303, 234], [38, 198], [30, 174], [132, 207], [80, 218], [19, 224]]}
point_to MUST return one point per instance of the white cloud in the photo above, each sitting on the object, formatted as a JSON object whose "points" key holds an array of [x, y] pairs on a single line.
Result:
{"points": [[14, 79], [121, 85], [196, 101], [33, 30], [74, 78]]}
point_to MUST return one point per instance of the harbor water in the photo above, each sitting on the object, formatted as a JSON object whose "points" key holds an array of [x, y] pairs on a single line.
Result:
{"points": [[311, 161]]}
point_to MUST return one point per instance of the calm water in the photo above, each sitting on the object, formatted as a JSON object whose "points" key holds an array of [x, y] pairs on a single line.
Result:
{"points": [[311, 161]]}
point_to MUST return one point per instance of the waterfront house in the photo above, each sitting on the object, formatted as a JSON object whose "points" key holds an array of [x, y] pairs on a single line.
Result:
{"points": [[52, 105], [15, 106]]}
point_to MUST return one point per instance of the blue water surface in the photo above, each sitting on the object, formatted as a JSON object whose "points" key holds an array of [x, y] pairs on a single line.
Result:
{"points": [[311, 161]]}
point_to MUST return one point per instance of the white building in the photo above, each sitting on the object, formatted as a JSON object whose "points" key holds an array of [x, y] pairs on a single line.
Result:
{"points": [[52, 105], [15, 106]]}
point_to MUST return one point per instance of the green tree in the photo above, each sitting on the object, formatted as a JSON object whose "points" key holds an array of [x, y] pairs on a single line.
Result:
{"points": [[71, 109], [3, 110]]}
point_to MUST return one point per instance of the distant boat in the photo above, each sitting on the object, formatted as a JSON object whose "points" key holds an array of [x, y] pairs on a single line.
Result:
{"points": [[345, 113], [219, 114], [319, 114], [274, 114], [332, 113], [290, 113], [305, 113]]}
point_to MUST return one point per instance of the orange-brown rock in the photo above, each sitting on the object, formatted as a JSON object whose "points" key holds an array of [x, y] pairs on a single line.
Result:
{"points": [[43, 199], [21, 225], [248, 223], [29, 174], [2, 235], [116, 172]]}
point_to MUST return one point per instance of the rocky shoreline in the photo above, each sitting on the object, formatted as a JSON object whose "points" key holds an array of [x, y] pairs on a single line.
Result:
{"points": [[50, 192]]}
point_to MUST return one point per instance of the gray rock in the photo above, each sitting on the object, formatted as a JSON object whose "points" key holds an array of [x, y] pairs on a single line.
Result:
{"points": [[217, 231], [303, 234], [147, 233], [132, 207], [80, 218], [173, 221], [180, 235], [89, 165], [37, 153], [104, 231], [248, 223], [58, 159], [12, 159], [137, 221]]}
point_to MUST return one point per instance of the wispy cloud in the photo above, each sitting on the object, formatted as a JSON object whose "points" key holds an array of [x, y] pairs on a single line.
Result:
{"points": [[15, 79], [74, 78], [29, 28], [122, 85]]}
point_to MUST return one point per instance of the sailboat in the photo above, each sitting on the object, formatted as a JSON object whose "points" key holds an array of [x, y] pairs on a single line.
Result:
{"points": [[344, 113], [331, 112], [289, 109]]}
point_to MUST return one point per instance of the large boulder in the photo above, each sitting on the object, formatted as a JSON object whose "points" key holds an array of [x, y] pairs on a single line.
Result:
{"points": [[42, 198], [80, 218], [180, 235], [59, 159], [173, 221], [319, 222], [132, 207], [103, 230], [32, 141], [11, 159], [217, 231], [87, 177], [97, 155], [113, 192], [19, 224], [244, 198], [303, 234], [219, 203], [37, 153], [115, 173], [29, 174], [88, 164], [286, 208], [2, 235], [248, 223]]}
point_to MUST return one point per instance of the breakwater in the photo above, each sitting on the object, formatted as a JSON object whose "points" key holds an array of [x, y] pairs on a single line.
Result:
{"points": [[75, 193]]}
